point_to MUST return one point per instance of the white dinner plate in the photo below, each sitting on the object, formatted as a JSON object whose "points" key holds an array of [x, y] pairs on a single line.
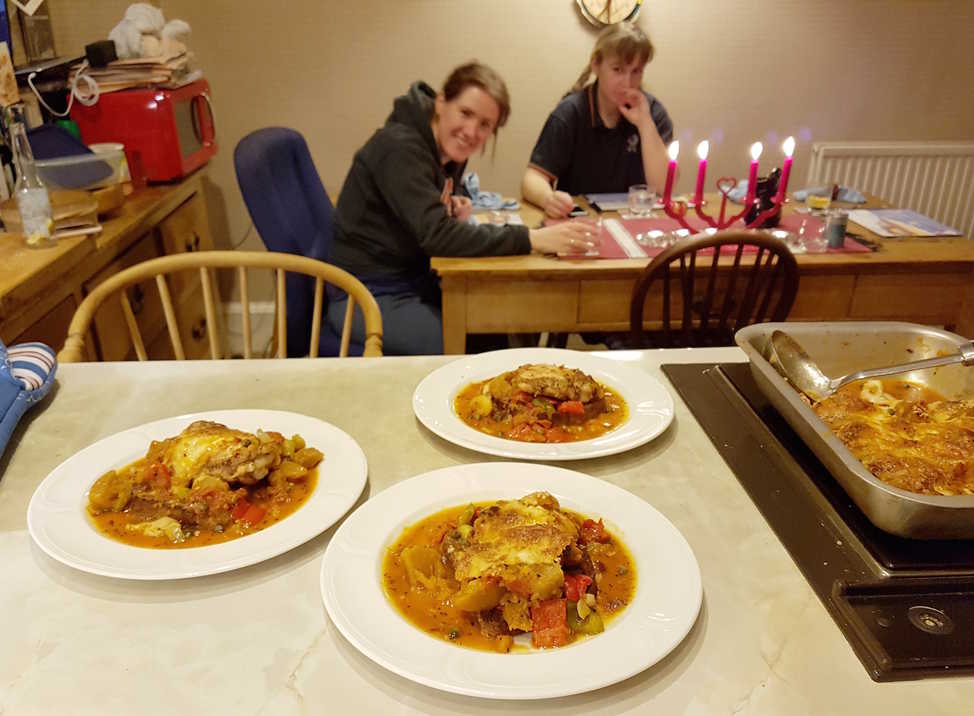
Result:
{"points": [[58, 522], [665, 606], [650, 404]]}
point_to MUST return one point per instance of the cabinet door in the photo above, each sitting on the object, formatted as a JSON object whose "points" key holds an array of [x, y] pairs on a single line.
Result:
{"points": [[184, 231], [52, 329], [111, 331], [194, 333]]}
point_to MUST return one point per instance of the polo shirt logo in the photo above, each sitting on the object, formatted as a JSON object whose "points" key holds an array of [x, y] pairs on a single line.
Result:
{"points": [[632, 143]]}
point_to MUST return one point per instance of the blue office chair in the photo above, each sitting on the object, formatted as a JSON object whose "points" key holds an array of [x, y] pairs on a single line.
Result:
{"points": [[293, 214]]}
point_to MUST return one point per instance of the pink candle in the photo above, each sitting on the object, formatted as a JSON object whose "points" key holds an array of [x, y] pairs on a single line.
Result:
{"points": [[788, 147], [674, 151], [702, 149], [752, 176]]}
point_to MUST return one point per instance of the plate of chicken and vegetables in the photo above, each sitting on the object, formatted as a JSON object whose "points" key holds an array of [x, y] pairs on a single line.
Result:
{"points": [[510, 580], [197, 494], [543, 404]]}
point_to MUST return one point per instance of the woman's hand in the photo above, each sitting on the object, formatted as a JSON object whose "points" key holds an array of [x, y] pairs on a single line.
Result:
{"points": [[461, 208], [570, 237], [558, 205], [636, 110]]}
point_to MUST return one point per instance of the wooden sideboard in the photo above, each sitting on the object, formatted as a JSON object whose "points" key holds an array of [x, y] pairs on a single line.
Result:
{"points": [[41, 288]]}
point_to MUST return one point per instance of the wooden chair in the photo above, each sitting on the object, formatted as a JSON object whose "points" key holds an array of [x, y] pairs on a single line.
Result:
{"points": [[202, 262], [754, 287]]}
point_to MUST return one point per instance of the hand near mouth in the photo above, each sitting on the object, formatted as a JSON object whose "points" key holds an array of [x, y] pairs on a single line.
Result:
{"points": [[635, 108]]}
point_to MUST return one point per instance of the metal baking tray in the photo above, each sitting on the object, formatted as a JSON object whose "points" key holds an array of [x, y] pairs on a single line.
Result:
{"points": [[841, 348]]}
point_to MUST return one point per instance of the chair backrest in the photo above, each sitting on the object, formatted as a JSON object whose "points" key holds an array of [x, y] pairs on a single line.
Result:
{"points": [[204, 262], [290, 210], [742, 277]]}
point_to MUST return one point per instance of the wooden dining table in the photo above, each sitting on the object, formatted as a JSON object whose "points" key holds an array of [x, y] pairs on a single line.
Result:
{"points": [[258, 640], [922, 280]]}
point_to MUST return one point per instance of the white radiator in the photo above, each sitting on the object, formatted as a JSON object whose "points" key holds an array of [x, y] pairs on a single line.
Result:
{"points": [[933, 178]]}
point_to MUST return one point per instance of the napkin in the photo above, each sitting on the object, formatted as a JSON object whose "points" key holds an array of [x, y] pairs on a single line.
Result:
{"points": [[739, 191], [486, 199], [848, 194], [26, 376]]}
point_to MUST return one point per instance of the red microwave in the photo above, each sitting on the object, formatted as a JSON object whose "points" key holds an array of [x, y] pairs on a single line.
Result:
{"points": [[167, 133]]}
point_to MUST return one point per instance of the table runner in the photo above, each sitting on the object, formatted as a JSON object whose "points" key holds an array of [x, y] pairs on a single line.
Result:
{"points": [[618, 236]]}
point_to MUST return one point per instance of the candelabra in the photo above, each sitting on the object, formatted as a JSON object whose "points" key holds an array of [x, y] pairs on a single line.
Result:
{"points": [[677, 210]]}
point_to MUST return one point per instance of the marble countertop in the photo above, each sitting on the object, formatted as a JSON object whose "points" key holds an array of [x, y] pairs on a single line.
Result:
{"points": [[258, 640]]}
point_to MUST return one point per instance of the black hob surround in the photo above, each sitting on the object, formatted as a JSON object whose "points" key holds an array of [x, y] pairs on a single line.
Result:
{"points": [[905, 606]]}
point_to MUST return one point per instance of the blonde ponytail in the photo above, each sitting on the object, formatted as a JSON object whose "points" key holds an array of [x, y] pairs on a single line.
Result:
{"points": [[582, 80]]}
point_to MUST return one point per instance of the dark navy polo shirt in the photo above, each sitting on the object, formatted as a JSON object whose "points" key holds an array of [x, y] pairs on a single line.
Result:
{"points": [[584, 156]]}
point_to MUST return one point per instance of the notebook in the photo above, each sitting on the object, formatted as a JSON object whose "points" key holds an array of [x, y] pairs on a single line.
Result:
{"points": [[899, 223]]}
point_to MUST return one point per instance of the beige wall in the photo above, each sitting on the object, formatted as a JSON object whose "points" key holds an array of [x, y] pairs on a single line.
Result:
{"points": [[730, 72]]}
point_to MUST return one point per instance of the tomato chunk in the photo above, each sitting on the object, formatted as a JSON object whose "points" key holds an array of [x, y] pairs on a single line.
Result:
{"points": [[253, 515], [157, 475], [575, 586], [593, 531], [549, 622], [240, 509], [571, 407]]}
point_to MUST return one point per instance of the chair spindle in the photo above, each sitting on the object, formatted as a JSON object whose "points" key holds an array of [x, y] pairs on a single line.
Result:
{"points": [[172, 323]]}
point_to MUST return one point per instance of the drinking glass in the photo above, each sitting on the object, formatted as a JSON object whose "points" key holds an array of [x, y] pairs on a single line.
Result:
{"points": [[641, 200], [595, 232]]}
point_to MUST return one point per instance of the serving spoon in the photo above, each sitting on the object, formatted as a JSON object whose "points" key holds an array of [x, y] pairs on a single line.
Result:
{"points": [[793, 362]]}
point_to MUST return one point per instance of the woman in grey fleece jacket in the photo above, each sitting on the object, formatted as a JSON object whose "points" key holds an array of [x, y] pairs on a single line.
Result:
{"points": [[402, 203]]}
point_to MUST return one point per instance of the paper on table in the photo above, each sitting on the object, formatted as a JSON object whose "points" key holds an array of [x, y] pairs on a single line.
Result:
{"points": [[511, 218], [898, 223], [620, 202]]}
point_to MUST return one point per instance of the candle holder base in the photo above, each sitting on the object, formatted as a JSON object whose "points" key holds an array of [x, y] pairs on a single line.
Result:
{"points": [[765, 192]]}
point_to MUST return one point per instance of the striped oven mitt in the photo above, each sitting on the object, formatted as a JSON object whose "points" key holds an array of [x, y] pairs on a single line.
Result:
{"points": [[26, 376]]}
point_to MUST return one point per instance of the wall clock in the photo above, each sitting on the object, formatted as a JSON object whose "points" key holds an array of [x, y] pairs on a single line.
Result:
{"points": [[609, 12]]}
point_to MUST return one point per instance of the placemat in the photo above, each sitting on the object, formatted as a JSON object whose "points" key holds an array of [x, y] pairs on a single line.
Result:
{"points": [[618, 237]]}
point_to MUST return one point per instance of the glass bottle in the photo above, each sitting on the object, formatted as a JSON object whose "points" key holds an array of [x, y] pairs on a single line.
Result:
{"points": [[33, 201]]}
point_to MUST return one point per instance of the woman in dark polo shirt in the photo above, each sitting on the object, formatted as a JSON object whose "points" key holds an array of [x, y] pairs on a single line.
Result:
{"points": [[605, 136]]}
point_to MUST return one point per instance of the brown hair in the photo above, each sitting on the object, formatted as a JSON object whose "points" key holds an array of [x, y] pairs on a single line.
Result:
{"points": [[477, 75], [623, 40]]}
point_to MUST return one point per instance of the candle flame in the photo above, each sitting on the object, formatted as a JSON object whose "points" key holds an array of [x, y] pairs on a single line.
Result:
{"points": [[788, 146], [703, 149], [756, 150], [674, 150]]}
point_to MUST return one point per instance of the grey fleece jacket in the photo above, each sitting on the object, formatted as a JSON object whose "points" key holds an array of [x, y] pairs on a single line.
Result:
{"points": [[389, 217]]}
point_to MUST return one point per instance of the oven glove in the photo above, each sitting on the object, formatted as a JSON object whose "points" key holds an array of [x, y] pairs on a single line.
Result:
{"points": [[26, 376]]}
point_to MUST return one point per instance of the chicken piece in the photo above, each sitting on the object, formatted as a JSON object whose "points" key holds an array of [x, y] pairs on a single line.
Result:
{"points": [[208, 448], [516, 611], [557, 382], [517, 541]]}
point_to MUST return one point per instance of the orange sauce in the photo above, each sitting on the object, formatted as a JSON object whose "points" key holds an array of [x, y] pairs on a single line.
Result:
{"points": [[114, 524], [615, 414], [433, 611]]}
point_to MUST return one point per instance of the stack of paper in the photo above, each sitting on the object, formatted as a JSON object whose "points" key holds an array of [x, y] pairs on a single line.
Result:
{"points": [[75, 213], [894, 223], [162, 71]]}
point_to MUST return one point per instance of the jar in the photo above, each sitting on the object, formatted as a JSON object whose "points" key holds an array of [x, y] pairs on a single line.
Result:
{"points": [[834, 230]]}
